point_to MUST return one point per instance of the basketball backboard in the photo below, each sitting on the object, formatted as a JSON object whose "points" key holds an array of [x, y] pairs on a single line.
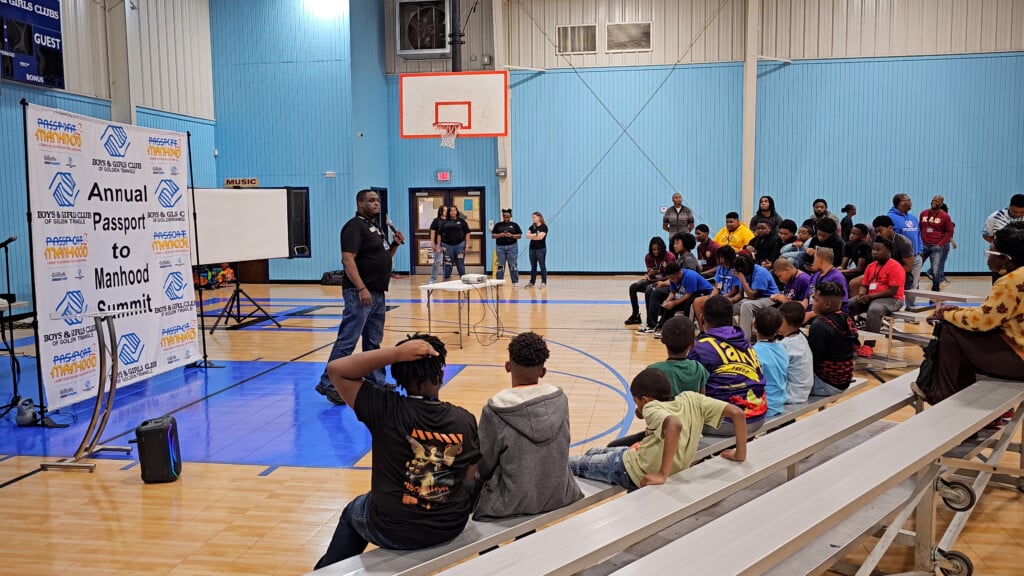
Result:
{"points": [[476, 100]]}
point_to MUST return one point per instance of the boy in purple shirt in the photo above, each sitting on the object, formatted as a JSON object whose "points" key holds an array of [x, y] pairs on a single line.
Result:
{"points": [[736, 374], [826, 272], [796, 284]]}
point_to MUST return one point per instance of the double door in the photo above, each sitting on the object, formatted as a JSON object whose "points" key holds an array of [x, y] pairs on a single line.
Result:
{"points": [[424, 205]]}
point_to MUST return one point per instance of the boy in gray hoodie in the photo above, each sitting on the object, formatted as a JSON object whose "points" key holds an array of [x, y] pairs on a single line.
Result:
{"points": [[524, 440]]}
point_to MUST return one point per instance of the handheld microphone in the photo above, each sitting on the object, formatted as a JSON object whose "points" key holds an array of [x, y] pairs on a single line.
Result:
{"points": [[8, 241], [394, 230]]}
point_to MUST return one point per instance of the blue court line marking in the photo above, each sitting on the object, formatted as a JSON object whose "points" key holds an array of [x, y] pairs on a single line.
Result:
{"points": [[26, 341], [130, 466], [269, 470], [630, 406]]}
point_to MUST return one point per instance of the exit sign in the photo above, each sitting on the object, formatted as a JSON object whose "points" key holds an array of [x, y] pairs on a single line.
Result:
{"points": [[444, 176]]}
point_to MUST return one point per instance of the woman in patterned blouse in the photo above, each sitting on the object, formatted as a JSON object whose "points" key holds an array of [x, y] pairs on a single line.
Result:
{"points": [[988, 339]]}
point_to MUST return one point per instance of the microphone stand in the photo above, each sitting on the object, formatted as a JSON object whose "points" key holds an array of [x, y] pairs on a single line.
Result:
{"points": [[15, 364]]}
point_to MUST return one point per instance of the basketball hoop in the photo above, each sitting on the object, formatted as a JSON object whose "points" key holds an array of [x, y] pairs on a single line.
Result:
{"points": [[449, 132]]}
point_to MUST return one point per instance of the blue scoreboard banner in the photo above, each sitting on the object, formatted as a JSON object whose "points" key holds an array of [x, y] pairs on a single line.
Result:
{"points": [[30, 42]]}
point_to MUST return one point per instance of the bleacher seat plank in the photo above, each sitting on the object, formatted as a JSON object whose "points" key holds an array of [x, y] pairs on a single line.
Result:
{"points": [[477, 536], [585, 539], [780, 523]]}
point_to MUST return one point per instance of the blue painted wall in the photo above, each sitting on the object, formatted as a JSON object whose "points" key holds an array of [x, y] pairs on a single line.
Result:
{"points": [[860, 131], [13, 203], [283, 101], [369, 97], [415, 162], [600, 191]]}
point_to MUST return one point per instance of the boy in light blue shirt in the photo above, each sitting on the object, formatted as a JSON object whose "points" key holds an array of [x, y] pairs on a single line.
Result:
{"points": [[773, 356], [800, 375]]}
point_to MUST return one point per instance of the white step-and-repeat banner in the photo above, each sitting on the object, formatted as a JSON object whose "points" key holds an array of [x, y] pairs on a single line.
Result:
{"points": [[109, 233]]}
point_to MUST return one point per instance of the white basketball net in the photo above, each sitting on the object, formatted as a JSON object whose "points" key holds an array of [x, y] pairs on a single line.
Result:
{"points": [[449, 132]]}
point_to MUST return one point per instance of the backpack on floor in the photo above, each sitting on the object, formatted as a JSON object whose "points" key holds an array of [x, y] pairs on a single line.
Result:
{"points": [[332, 278]]}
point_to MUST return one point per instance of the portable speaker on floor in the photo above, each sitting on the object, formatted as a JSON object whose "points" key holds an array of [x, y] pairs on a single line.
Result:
{"points": [[159, 453]]}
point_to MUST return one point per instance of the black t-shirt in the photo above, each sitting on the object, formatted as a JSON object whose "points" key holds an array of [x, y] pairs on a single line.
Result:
{"points": [[858, 250], [435, 226], [834, 242], [502, 227], [421, 451], [767, 248], [454, 231], [543, 242], [373, 255]]}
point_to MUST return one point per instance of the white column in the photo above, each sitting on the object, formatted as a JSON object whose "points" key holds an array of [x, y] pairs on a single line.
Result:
{"points": [[504, 159], [122, 21], [750, 105]]}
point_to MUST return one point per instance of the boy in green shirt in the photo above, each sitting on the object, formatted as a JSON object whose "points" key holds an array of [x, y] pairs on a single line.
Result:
{"points": [[673, 432]]}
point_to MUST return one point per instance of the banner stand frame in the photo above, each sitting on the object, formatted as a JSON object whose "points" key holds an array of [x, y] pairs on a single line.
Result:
{"points": [[201, 317], [98, 422], [41, 418]]}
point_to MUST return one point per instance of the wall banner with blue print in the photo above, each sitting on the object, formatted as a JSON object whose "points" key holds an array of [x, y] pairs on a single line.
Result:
{"points": [[109, 234]]}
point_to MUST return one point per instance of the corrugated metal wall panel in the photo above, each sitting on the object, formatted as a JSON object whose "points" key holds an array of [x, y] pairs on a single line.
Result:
{"points": [[532, 31], [174, 43], [282, 87], [592, 183], [479, 40], [414, 163], [807, 29], [861, 131], [84, 32], [13, 194]]}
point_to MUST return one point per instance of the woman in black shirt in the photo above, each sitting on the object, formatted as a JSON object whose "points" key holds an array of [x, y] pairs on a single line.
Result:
{"points": [[454, 237], [766, 213], [538, 250]]}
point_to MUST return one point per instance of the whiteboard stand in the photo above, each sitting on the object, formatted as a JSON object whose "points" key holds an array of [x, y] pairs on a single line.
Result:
{"points": [[235, 303], [104, 406]]}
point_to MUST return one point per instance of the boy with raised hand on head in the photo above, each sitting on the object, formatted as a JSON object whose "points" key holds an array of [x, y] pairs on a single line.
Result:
{"points": [[425, 452], [773, 357], [735, 372], [800, 374], [833, 339], [524, 440], [673, 434]]}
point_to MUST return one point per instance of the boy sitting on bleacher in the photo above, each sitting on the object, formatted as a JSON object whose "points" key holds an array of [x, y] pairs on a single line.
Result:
{"points": [[673, 434], [524, 440], [833, 339], [736, 375], [800, 374], [773, 357], [425, 452]]}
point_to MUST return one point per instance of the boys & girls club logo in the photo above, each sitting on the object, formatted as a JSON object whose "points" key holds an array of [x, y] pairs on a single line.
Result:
{"points": [[115, 141], [64, 189], [174, 286], [129, 348], [72, 304], [168, 193]]}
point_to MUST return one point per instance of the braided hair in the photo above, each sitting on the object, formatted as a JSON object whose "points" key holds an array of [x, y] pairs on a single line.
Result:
{"points": [[427, 370]]}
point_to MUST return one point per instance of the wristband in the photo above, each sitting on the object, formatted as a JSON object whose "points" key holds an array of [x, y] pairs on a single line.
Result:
{"points": [[363, 288]]}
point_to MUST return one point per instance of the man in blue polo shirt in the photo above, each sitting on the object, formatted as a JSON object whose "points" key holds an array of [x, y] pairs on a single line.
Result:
{"points": [[905, 223], [757, 287]]}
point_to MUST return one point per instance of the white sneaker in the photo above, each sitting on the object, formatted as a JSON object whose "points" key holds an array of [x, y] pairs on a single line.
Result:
{"points": [[645, 330], [657, 334], [543, 285]]}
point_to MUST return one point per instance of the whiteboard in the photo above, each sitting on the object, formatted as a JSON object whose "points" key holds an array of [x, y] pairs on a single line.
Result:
{"points": [[238, 224]]}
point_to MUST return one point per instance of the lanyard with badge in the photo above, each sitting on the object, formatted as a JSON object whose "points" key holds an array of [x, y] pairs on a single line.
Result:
{"points": [[375, 230]]}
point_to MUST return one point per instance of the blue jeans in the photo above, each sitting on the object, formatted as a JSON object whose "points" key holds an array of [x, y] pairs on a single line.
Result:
{"points": [[353, 533], [438, 260], [537, 257], [603, 465], [454, 254], [913, 279], [358, 320], [822, 388], [937, 256], [508, 256]]}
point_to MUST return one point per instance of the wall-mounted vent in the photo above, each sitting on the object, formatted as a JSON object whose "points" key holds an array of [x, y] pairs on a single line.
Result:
{"points": [[577, 39], [629, 37], [423, 28]]}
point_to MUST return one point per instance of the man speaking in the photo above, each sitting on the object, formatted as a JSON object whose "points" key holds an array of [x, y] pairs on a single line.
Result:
{"points": [[366, 257]]}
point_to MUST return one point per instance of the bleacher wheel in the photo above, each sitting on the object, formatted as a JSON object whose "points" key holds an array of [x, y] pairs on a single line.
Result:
{"points": [[957, 496], [953, 563]]}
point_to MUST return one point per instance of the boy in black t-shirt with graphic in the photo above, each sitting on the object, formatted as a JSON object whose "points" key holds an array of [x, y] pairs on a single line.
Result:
{"points": [[425, 453]]}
